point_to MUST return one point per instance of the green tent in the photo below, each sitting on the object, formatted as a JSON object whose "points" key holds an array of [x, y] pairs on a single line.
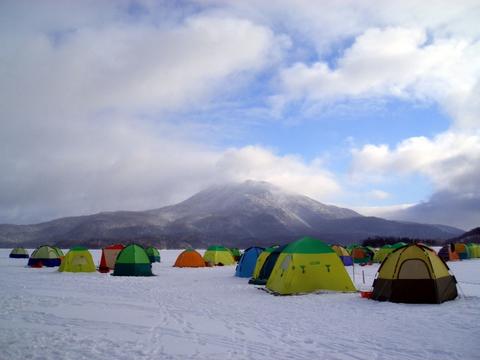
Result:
{"points": [[382, 253], [153, 254], [133, 261], [350, 248], [44, 256], [18, 253], [58, 251], [474, 250], [235, 253]]}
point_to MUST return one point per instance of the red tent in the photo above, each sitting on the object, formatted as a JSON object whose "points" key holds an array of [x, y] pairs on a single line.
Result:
{"points": [[109, 255]]}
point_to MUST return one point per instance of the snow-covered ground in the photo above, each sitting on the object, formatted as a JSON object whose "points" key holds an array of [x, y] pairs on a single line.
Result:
{"points": [[210, 314]]}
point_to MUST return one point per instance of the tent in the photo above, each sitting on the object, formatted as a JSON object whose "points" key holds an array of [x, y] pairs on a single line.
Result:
{"points": [[474, 250], [218, 255], [109, 255], [189, 258], [19, 253], [350, 248], [78, 259], [261, 260], [58, 251], [267, 267], [44, 256], [235, 253], [153, 254], [247, 262], [462, 250], [414, 274], [361, 255], [448, 253], [382, 253], [308, 265], [343, 254], [133, 261]]}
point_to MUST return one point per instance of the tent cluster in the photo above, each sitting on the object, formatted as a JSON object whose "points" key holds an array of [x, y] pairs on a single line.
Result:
{"points": [[215, 255], [131, 260], [459, 251], [411, 273]]}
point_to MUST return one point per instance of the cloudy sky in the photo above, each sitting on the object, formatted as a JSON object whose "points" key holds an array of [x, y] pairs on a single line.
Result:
{"points": [[108, 105]]}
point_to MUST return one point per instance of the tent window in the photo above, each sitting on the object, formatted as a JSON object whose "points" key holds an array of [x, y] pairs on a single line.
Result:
{"points": [[414, 269], [286, 262]]}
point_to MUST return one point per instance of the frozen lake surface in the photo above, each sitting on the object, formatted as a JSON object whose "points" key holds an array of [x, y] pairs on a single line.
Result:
{"points": [[210, 314]]}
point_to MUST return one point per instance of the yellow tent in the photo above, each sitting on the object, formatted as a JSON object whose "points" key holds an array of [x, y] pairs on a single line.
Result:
{"points": [[308, 265], [78, 259], [218, 255]]}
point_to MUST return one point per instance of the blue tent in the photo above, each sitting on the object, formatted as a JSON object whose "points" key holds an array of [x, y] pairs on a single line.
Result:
{"points": [[247, 262]]}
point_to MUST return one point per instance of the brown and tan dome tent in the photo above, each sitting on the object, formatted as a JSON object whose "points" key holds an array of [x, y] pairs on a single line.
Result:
{"points": [[414, 274]]}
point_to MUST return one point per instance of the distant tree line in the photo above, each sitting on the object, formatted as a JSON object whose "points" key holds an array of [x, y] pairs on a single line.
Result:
{"points": [[379, 241]]}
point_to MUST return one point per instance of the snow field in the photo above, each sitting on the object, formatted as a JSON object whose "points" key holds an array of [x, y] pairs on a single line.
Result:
{"points": [[210, 314]]}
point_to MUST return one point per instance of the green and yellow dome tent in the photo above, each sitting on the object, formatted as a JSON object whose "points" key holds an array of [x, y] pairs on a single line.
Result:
{"points": [[236, 253], [267, 267], [44, 256], [308, 265], [382, 253], [414, 274], [153, 254], [19, 253], [58, 251], [350, 248], [218, 255], [78, 259], [474, 250], [133, 261]]}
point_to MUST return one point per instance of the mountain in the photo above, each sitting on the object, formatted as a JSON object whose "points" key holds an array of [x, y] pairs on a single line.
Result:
{"points": [[234, 215], [472, 236]]}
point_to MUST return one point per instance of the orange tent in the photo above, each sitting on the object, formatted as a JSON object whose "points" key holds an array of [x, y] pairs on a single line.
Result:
{"points": [[109, 255], [189, 258]]}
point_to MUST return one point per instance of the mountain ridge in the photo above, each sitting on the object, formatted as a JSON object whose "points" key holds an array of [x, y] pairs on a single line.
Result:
{"points": [[238, 214]]}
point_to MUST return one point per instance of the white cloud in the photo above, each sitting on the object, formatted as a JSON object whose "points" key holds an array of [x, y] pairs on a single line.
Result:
{"points": [[130, 67], [392, 62], [379, 194], [450, 160], [289, 172], [74, 135], [382, 211]]}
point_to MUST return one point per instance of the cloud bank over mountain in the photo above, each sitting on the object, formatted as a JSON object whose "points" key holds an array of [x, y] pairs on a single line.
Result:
{"points": [[139, 104]]}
